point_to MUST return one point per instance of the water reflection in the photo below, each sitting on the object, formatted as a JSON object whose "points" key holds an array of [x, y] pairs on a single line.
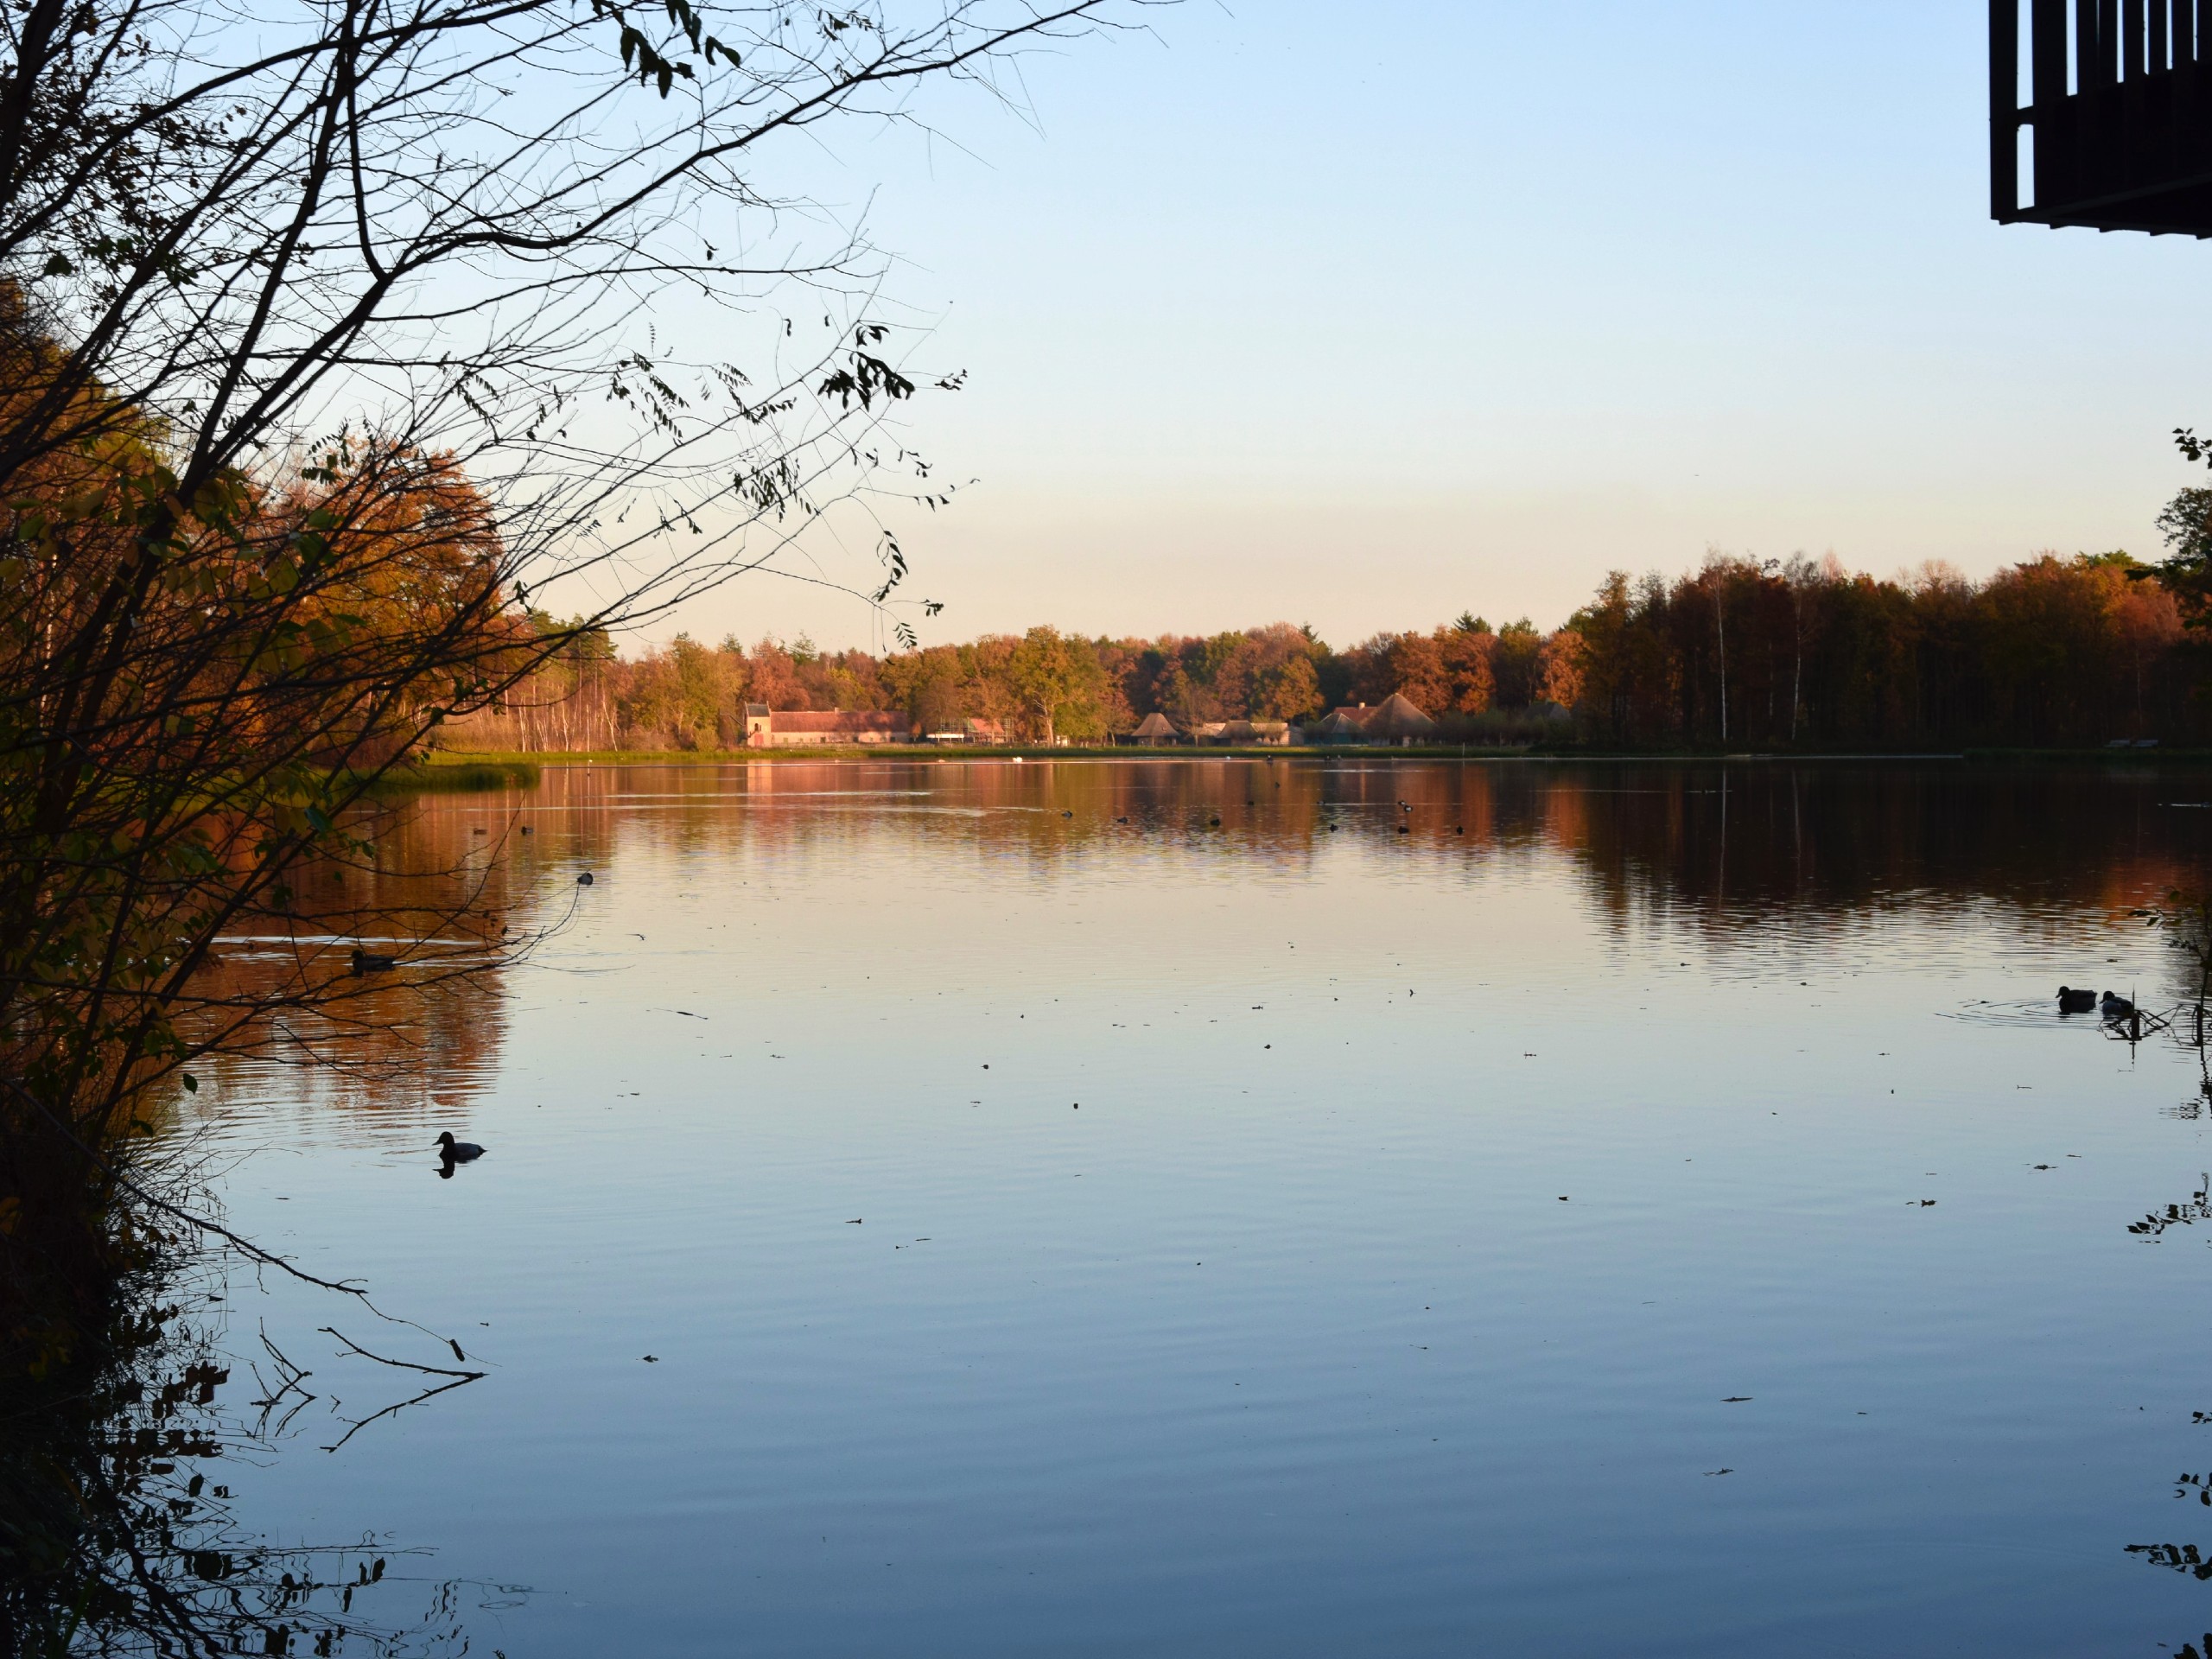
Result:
{"points": [[118, 1531], [778, 1069], [1728, 850], [1674, 835], [386, 962]]}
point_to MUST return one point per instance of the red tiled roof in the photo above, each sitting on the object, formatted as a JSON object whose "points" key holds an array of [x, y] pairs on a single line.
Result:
{"points": [[837, 720]]}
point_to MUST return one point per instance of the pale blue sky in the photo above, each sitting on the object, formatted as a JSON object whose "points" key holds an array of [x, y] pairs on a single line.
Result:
{"points": [[1358, 315]]}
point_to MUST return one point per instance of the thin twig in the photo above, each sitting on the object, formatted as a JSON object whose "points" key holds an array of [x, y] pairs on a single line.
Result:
{"points": [[426, 1393], [403, 1364]]}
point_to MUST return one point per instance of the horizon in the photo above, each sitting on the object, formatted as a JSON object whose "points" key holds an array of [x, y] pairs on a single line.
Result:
{"points": [[1526, 307]]}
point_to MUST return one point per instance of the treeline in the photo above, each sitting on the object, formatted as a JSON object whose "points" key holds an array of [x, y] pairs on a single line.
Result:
{"points": [[1038, 687], [2054, 650], [2050, 651]]}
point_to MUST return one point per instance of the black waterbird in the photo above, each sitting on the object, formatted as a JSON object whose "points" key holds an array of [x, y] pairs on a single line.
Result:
{"points": [[457, 1151], [2073, 1002]]}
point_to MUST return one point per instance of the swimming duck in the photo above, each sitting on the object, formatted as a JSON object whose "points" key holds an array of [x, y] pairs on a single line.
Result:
{"points": [[457, 1151], [2073, 1002], [368, 962], [2114, 1006]]}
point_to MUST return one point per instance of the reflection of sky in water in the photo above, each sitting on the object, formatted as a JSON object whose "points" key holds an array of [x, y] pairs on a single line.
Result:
{"points": [[1284, 1341]]}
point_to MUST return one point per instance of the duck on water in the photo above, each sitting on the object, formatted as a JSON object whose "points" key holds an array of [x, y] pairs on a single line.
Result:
{"points": [[458, 1151], [2110, 1005]]}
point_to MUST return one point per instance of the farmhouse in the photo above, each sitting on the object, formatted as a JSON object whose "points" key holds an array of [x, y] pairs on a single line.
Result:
{"points": [[783, 728]]}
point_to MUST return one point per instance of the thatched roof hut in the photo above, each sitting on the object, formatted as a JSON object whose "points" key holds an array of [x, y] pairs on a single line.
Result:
{"points": [[1340, 726], [1395, 719], [1250, 732], [1156, 727]]}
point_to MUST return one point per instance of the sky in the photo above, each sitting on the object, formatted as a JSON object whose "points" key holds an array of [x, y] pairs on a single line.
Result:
{"points": [[1360, 316]]}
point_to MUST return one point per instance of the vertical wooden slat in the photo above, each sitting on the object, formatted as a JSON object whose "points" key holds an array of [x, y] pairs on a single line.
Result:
{"points": [[2004, 109], [2048, 23], [2188, 119], [2048, 33], [2138, 118]]}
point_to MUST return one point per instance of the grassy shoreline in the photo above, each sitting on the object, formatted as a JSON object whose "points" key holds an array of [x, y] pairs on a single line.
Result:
{"points": [[496, 770], [448, 768], [463, 769]]}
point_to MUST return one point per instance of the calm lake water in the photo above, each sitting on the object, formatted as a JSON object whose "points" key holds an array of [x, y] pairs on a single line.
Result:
{"points": [[1488, 1208]]}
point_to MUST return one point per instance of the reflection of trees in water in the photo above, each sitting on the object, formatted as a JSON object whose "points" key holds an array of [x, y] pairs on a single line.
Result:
{"points": [[2154, 1225], [117, 1530], [2187, 1559], [118, 1533], [449, 887], [1724, 848]]}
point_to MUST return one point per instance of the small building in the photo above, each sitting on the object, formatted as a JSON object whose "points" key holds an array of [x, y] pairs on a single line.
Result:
{"points": [[1397, 720], [1271, 732], [1347, 725], [1155, 729], [782, 728], [985, 731]]}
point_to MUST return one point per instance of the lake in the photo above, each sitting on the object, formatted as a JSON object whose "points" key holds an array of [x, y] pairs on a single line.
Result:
{"points": [[1278, 1207]]}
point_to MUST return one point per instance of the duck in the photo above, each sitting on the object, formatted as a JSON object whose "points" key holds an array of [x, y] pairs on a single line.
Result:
{"points": [[2114, 1006], [457, 1151], [2073, 1002], [368, 962]]}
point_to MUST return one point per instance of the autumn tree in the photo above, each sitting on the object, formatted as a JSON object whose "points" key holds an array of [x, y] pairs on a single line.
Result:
{"points": [[337, 344], [1057, 685]]}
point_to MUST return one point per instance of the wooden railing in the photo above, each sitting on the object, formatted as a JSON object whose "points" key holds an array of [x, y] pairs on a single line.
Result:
{"points": [[2121, 108]]}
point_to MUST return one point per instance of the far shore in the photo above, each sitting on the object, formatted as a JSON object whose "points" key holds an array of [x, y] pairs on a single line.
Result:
{"points": [[492, 761]]}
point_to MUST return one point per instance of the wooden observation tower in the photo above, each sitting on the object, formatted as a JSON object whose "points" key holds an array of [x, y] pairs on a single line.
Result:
{"points": [[2119, 114]]}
